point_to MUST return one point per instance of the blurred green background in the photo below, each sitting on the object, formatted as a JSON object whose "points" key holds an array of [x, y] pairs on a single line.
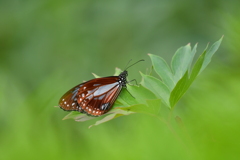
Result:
{"points": [[49, 46]]}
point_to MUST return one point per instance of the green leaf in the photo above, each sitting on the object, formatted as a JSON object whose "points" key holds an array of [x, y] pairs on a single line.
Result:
{"points": [[181, 61], [126, 98], [210, 53], [185, 82], [112, 115], [157, 87], [138, 108], [96, 76], [134, 95], [194, 50], [118, 104], [141, 93], [117, 71], [197, 67], [77, 116], [162, 69], [178, 91], [152, 106]]}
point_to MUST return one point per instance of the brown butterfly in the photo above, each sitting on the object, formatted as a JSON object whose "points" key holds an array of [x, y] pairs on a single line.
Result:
{"points": [[95, 97]]}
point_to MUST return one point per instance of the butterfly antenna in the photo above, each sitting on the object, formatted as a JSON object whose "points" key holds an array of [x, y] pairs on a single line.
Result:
{"points": [[133, 64], [127, 64]]}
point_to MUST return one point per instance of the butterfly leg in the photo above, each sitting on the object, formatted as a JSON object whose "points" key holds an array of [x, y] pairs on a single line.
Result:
{"points": [[134, 81]]}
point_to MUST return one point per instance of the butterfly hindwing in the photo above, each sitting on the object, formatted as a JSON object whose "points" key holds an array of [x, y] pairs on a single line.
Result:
{"points": [[68, 101]]}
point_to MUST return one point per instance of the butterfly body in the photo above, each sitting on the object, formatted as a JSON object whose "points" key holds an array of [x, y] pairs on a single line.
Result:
{"points": [[94, 97]]}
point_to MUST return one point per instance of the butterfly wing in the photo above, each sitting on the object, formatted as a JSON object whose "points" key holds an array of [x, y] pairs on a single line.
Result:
{"points": [[94, 97], [68, 101]]}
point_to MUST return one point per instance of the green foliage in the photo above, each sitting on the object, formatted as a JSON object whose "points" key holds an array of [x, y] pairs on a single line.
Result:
{"points": [[169, 89], [48, 46]]}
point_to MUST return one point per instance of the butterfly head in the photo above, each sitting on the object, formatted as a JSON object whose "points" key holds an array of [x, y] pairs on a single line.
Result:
{"points": [[123, 76]]}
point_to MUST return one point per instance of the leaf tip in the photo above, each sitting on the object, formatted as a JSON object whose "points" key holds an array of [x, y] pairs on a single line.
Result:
{"points": [[221, 38], [141, 73], [95, 75]]}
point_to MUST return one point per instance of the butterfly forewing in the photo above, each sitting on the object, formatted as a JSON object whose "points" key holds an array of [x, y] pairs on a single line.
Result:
{"points": [[94, 97], [103, 101]]}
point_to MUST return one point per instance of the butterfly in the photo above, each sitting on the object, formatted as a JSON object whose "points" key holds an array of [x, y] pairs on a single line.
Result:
{"points": [[95, 97]]}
